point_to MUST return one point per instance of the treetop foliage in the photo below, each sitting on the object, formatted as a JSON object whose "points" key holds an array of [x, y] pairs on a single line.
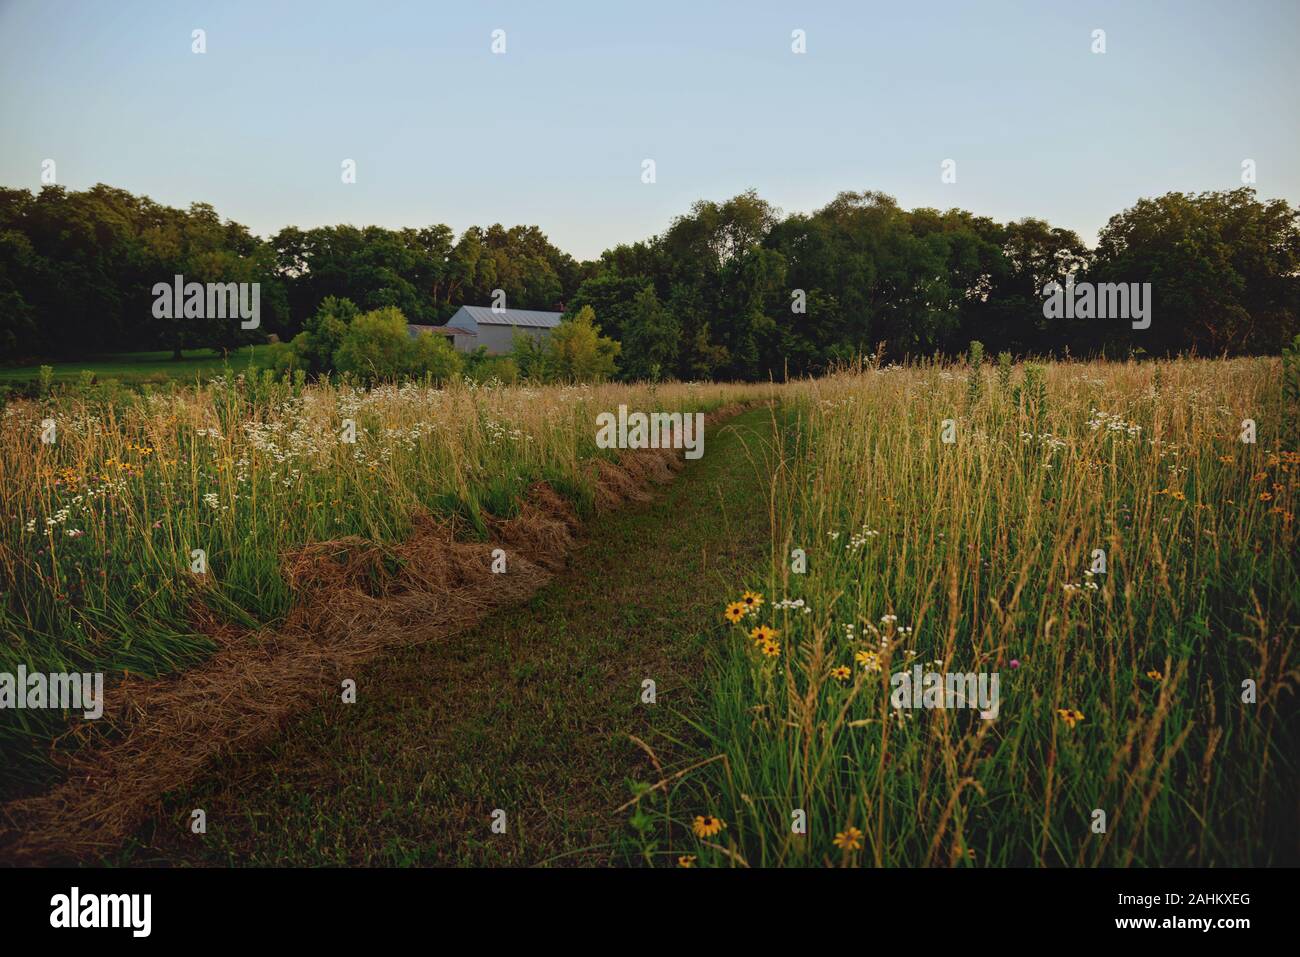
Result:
{"points": [[733, 289]]}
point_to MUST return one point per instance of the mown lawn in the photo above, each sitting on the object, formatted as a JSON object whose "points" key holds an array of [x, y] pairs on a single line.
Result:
{"points": [[133, 368]]}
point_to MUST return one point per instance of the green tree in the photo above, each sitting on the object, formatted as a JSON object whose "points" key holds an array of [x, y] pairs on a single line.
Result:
{"points": [[612, 297], [577, 352], [652, 338], [323, 333], [1224, 270], [530, 357], [375, 346]]}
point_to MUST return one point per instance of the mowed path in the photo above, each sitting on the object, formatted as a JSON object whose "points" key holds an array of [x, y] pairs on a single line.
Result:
{"points": [[530, 712]]}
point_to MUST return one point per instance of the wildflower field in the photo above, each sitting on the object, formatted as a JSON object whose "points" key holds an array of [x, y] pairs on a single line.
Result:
{"points": [[1115, 542], [1148, 700], [98, 563]]}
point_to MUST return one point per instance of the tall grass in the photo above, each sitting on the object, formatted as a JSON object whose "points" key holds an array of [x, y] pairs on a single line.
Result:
{"points": [[983, 548], [99, 527]]}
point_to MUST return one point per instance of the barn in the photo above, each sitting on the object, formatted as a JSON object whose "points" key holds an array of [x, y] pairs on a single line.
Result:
{"points": [[474, 326]]}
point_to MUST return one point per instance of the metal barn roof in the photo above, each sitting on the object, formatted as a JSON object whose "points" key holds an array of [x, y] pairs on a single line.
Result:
{"points": [[531, 318]]}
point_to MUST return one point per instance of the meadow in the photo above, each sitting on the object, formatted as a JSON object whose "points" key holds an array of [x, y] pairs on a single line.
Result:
{"points": [[99, 563], [1148, 713], [1110, 539]]}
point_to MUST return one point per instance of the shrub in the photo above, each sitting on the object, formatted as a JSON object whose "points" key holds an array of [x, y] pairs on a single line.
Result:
{"points": [[433, 355], [481, 367], [578, 352], [653, 336], [312, 350], [377, 345], [323, 333], [279, 357], [530, 357]]}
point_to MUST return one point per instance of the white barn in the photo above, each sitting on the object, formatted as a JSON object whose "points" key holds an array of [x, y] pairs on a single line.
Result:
{"points": [[474, 326]]}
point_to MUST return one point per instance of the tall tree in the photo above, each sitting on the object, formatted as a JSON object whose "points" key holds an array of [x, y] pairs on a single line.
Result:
{"points": [[1224, 270], [651, 339]]}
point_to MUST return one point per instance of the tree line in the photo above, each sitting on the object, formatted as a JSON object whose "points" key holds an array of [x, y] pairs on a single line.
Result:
{"points": [[731, 289]]}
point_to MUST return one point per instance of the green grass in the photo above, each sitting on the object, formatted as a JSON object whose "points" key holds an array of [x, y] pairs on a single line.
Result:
{"points": [[529, 712], [134, 368]]}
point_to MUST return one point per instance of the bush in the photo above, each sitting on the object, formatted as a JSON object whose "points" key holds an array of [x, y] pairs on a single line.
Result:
{"points": [[529, 355], [377, 345], [279, 357], [323, 333], [481, 367], [312, 350], [653, 336], [433, 355], [577, 352]]}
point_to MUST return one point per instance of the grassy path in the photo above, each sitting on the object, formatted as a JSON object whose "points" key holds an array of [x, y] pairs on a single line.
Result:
{"points": [[530, 712]]}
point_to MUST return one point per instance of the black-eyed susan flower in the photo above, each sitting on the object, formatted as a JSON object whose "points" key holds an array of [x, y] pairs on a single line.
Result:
{"points": [[849, 840], [841, 673], [751, 600], [706, 825], [686, 860], [868, 659], [735, 611], [1070, 716], [770, 648], [763, 633], [1155, 675]]}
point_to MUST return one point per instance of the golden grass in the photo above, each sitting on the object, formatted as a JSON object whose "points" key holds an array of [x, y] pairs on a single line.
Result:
{"points": [[981, 548]]}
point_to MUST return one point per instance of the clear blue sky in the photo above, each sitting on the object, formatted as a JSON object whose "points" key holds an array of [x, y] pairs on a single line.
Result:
{"points": [[553, 133]]}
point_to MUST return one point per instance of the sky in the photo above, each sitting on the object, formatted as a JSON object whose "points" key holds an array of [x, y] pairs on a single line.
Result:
{"points": [[554, 131]]}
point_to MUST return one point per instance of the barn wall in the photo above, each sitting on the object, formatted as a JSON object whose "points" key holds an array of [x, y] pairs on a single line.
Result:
{"points": [[498, 339]]}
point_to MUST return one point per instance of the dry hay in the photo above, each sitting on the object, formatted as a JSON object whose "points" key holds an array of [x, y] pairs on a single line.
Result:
{"points": [[355, 598]]}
